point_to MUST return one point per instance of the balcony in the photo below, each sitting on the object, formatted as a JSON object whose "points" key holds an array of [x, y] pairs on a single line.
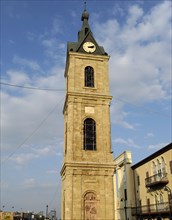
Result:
{"points": [[157, 179], [153, 209]]}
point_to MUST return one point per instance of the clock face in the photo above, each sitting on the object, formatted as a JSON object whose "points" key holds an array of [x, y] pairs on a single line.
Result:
{"points": [[89, 47]]}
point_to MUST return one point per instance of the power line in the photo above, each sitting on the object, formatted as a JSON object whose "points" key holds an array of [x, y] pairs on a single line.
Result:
{"points": [[54, 196], [29, 87], [32, 133], [62, 90]]}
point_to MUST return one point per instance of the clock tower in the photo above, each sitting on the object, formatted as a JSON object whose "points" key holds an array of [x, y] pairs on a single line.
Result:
{"points": [[88, 167]]}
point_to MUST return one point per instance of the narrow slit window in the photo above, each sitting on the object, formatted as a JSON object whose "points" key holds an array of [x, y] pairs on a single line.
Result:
{"points": [[89, 76], [89, 134]]}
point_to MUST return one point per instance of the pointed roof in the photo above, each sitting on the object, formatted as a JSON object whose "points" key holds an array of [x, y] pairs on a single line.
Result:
{"points": [[85, 14], [85, 35], [85, 25]]}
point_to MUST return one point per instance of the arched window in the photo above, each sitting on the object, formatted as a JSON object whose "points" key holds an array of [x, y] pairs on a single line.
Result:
{"points": [[89, 76], [161, 203], [158, 166], [154, 168], [156, 202], [89, 134], [161, 198], [90, 206], [163, 165]]}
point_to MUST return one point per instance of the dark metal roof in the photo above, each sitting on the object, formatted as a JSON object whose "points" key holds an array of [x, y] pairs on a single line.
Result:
{"points": [[152, 156], [85, 35]]}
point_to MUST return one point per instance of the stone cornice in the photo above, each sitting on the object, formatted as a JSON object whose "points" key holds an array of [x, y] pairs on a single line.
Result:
{"points": [[86, 96], [87, 166]]}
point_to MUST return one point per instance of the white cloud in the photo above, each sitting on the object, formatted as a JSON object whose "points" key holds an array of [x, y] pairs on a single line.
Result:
{"points": [[31, 36], [49, 42], [28, 183], [43, 151], [53, 48], [119, 115], [52, 171], [140, 63], [32, 183], [17, 77], [117, 9], [22, 158], [56, 27], [47, 151], [126, 142], [27, 63], [28, 113], [135, 12], [73, 14], [156, 146], [150, 134]]}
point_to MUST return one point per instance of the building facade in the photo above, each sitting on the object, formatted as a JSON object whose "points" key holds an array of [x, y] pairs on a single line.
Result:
{"points": [[6, 215], [144, 190], [123, 186], [52, 215], [20, 216], [153, 185], [88, 168]]}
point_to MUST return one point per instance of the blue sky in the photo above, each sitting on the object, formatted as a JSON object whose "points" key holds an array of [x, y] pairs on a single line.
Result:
{"points": [[34, 35]]}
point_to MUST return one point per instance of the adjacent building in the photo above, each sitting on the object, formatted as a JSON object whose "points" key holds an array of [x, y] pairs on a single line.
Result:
{"points": [[144, 190], [6, 215], [52, 215], [123, 186]]}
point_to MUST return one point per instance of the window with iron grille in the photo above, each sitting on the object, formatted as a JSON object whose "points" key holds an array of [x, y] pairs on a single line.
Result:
{"points": [[89, 76], [89, 134]]}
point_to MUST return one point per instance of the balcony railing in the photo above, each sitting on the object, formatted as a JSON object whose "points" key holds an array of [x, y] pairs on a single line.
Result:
{"points": [[157, 179], [152, 209]]}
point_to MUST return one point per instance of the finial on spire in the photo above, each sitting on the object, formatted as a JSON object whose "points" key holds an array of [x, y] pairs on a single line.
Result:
{"points": [[85, 14]]}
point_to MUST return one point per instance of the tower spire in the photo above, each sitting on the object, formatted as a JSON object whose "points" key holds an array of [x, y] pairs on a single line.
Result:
{"points": [[85, 14]]}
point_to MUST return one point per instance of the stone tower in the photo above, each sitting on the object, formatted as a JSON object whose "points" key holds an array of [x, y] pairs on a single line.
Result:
{"points": [[88, 168]]}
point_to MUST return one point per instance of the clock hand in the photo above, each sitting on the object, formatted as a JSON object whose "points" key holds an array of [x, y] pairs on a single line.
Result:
{"points": [[90, 46]]}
